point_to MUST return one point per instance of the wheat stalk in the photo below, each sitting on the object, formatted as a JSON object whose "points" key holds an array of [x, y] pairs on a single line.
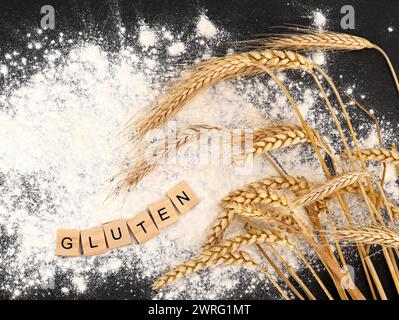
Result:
{"points": [[371, 235], [220, 253], [211, 72], [328, 188]]}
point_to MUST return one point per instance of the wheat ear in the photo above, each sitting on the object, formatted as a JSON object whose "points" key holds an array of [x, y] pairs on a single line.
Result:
{"points": [[253, 195], [328, 188], [285, 222], [272, 138], [381, 154], [258, 192], [233, 207], [211, 72], [212, 255], [322, 40], [194, 265], [132, 177], [244, 196], [372, 235], [222, 223]]}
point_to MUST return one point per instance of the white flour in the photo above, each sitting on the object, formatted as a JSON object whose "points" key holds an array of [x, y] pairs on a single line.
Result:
{"points": [[205, 27], [319, 19], [147, 38], [176, 48], [60, 145]]}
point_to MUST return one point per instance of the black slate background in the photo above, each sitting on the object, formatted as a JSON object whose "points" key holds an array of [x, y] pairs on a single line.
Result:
{"points": [[241, 18]]}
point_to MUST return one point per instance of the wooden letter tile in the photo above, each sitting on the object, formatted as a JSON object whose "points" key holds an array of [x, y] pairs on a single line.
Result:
{"points": [[68, 243], [117, 234], [163, 212], [93, 241], [183, 197], [142, 227]]}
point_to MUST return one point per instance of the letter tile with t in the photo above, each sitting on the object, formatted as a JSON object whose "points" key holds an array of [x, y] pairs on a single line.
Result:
{"points": [[142, 227], [117, 234]]}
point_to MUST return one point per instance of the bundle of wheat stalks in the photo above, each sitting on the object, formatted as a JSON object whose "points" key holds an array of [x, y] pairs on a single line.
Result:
{"points": [[270, 217]]}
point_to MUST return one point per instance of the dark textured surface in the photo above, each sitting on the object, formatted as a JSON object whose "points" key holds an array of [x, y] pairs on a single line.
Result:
{"points": [[242, 19]]}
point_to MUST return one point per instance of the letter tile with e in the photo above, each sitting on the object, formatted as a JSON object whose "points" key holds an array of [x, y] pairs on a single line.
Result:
{"points": [[163, 213]]}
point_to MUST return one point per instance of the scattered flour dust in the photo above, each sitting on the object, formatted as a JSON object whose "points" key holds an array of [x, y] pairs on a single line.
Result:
{"points": [[205, 27], [319, 19], [60, 145], [176, 49], [147, 37]]}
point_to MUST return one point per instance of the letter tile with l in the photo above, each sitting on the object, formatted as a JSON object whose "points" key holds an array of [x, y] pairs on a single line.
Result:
{"points": [[93, 241]]}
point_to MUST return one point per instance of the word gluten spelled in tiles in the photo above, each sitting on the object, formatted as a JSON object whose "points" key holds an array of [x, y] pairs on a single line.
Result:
{"points": [[144, 226]]}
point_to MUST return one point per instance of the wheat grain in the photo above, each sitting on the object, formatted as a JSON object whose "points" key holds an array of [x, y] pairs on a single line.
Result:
{"points": [[328, 188], [395, 213], [211, 72], [371, 235]]}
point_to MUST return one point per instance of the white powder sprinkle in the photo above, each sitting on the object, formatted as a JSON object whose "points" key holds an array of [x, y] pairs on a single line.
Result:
{"points": [[3, 69], [176, 48], [319, 58], [147, 37], [319, 19], [205, 27], [168, 35]]}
